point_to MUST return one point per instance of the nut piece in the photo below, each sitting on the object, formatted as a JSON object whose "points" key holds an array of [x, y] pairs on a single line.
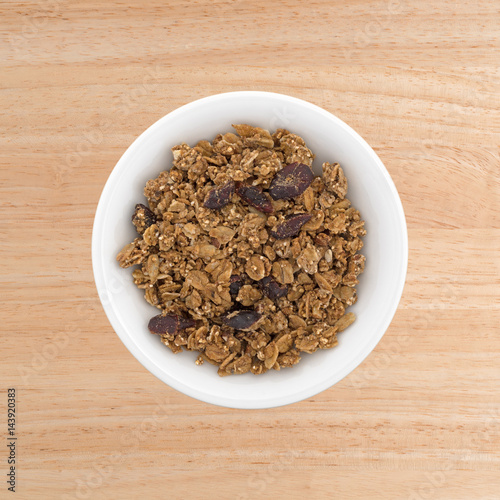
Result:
{"points": [[219, 196], [291, 181], [242, 320], [290, 227], [143, 218], [171, 324], [254, 197]]}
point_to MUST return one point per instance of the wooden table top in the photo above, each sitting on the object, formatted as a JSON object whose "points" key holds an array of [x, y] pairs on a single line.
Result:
{"points": [[420, 418]]}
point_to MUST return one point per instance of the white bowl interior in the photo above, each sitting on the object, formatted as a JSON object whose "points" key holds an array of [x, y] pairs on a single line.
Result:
{"points": [[370, 189]]}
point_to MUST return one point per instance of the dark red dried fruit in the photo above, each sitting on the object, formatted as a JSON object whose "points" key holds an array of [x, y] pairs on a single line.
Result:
{"points": [[236, 283], [241, 320], [291, 226], [254, 196], [272, 288], [291, 181], [219, 196], [143, 218], [172, 324]]}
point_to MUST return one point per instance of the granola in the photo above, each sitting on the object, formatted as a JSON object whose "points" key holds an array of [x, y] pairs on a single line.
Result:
{"points": [[250, 257]]}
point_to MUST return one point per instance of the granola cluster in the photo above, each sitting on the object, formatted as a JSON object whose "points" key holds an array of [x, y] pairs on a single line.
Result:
{"points": [[250, 258]]}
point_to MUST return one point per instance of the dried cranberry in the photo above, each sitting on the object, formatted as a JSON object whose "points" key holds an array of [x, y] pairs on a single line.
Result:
{"points": [[219, 196], [291, 181], [254, 196], [235, 285], [241, 320], [143, 218], [291, 226], [160, 325], [272, 288]]}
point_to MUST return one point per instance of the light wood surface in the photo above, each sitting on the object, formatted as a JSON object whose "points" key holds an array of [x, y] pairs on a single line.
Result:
{"points": [[420, 418]]}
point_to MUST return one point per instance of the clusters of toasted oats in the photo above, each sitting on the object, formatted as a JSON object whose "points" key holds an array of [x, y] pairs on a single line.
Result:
{"points": [[263, 276]]}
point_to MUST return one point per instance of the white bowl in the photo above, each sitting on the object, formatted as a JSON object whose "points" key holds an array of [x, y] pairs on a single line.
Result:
{"points": [[371, 191]]}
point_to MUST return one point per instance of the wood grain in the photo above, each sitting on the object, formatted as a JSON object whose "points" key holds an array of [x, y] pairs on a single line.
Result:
{"points": [[420, 418]]}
